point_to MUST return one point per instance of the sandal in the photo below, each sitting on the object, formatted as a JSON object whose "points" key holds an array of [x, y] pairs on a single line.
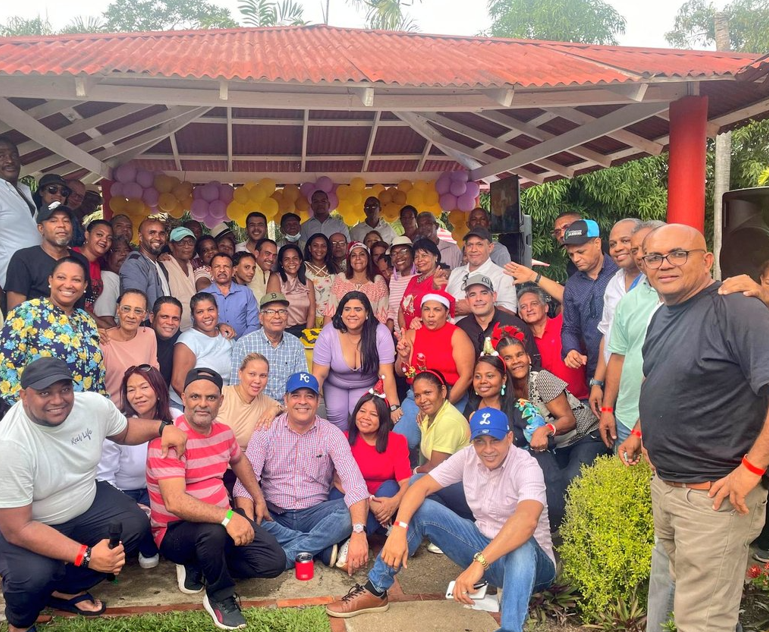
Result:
{"points": [[70, 605]]}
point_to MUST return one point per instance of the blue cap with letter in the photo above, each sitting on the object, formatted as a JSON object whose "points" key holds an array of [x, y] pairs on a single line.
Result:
{"points": [[302, 380], [489, 421]]}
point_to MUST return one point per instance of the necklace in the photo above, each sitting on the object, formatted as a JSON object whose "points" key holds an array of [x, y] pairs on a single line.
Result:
{"points": [[316, 270]]}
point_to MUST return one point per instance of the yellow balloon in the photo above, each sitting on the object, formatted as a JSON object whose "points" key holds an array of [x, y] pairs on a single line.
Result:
{"points": [[385, 197], [135, 207], [249, 185], [457, 218], [241, 195], [405, 186], [303, 206], [277, 196], [421, 185], [163, 183], [391, 212], [182, 190], [415, 197], [118, 204], [270, 207], [435, 210], [257, 194], [304, 215], [167, 202], [237, 213], [343, 191], [399, 198], [291, 192], [357, 184], [268, 184], [431, 197], [177, 211], [286, 206], [377, 189], [175, 182]]}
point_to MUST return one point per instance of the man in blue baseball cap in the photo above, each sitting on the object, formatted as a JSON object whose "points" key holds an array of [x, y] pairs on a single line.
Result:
{"points": [[295, 460], [509, 543]]}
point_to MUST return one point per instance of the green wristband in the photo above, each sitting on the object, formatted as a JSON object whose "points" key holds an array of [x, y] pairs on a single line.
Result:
{"points": [[227, 518]]}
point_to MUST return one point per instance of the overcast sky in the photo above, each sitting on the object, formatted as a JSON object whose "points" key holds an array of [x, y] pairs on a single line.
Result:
{"points": [[647, 21]]}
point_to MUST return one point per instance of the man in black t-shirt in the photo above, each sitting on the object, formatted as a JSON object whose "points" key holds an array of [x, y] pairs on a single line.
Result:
{"points": [[484, 316], [165, 318], [29, 268], [703, 413]]}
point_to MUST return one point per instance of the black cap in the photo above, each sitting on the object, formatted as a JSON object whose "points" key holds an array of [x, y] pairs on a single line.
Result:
{"points": [[51, 178], [202, 373], [46, 212], [479, 231], [43, 372]]}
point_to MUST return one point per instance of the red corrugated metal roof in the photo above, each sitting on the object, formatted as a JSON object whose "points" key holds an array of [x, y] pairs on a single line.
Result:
{"points": [[319, 53]]}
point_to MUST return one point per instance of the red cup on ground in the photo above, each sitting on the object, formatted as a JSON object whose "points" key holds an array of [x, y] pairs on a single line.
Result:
{"points": [[304, 567]]}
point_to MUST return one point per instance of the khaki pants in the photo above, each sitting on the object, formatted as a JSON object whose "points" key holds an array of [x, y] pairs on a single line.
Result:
{"points": [[708, 553]]}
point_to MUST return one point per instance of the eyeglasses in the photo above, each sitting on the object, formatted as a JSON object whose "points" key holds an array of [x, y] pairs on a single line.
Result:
{"points": [[341, 242], [558, 232], [675, 258], [275, 312], [53, 189], [127, 309]]}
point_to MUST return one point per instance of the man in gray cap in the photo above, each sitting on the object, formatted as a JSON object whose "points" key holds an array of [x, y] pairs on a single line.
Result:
{"points": [[56, 520], [484, 317]]}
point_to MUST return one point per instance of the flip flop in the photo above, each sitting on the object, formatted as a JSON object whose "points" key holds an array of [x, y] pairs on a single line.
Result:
{"points": [[70, 605]]}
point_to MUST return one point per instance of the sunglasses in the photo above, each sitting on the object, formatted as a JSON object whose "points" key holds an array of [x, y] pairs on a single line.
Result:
{"points": [[144, 368], [53, 189]]}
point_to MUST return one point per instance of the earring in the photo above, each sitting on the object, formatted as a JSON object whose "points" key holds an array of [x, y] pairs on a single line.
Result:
{"points": [[503, 390]]}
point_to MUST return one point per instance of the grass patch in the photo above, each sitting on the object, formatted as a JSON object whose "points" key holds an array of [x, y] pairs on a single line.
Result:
{"points": [[259, 620]]}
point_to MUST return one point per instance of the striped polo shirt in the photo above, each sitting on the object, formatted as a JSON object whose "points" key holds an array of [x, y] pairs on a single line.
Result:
{"points": [[202, 467]]}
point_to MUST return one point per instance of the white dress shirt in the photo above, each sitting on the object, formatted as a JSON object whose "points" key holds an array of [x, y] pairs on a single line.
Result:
{"points": [[503, 284], [18, 222]]}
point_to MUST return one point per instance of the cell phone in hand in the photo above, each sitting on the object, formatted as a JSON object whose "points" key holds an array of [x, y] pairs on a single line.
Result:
{"points": [[479, 590]]}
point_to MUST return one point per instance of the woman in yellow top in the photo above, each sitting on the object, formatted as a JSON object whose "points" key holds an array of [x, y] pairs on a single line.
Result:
{"points": [[445, 431], [246, 407]]}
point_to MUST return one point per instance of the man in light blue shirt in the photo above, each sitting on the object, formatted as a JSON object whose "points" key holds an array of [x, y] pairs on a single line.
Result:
{"points": [[321, 222], [236, 303], [284, 352]]}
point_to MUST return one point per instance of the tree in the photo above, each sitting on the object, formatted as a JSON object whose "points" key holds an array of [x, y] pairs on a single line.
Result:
{"points": [[748, 25], [267, 13], [84, 24], [387, 15], [17, 26], [584, 21], [165, 15]]}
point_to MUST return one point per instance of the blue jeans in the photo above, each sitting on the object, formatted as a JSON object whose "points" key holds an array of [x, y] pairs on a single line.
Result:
{"points": [[408, 427], [452, 496], [388, 489], [584, 452], [623, 432], [662, 590], [520, 573], [147, 548], [313, 530]]}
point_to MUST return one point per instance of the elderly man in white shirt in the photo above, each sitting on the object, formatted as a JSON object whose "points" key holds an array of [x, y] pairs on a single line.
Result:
{"points": [[17, 210], [478, 248]]}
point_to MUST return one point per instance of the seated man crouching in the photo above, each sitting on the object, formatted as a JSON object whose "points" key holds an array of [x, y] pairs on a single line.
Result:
{"points": [[509, 543], [192, 521], [55, 518]]}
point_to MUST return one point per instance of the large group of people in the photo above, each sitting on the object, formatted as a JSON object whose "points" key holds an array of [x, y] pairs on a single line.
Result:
{"points": [[452, 395]]}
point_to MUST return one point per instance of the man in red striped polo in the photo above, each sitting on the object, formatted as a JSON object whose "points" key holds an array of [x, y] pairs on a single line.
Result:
{"points": [[192, 521]]}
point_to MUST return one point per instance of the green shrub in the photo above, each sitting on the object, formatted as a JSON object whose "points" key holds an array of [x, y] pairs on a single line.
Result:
{"points": [[608, 534]]}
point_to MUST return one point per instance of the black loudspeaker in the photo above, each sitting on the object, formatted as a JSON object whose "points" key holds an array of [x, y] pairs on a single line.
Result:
{"points": [[514, 228], [745, 245]]}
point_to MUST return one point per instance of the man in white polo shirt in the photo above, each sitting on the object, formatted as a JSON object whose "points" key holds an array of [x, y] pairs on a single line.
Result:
{"points": [[508, 545], [478, 248]]}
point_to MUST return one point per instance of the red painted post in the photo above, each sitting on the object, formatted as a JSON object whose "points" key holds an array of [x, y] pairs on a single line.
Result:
{"points": [[106, 196], [686, 175]]}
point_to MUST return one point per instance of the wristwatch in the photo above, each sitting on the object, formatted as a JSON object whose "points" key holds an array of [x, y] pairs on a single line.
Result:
{"points": [[594, 382], [394, 407], [358, 527], [163, 425], [478, 557]]}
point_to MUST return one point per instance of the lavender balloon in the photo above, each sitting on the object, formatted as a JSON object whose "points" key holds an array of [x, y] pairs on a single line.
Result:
{"points": [[466, 202], [145, 179], [460, 176], [324, 183], [125, 173], [473, 188], [150, 197], [133, 191], [217, 209], [210, 192], [226, 193], [443, 183], [199, 210], [448, 202], [116, 190], [458, 188]]}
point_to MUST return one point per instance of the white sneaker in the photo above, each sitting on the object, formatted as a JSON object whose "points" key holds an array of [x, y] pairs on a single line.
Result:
{"points": [[434, 549], [149, 562], [341, 560]]}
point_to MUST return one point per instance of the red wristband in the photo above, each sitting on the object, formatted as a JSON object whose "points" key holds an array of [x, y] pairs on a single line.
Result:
{"points": [[80, 555], [752, 468], [635, 433], [552, 427], [607, 409]]}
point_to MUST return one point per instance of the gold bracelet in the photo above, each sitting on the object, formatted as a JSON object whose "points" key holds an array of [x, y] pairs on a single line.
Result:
{"points": [[478, 557]]}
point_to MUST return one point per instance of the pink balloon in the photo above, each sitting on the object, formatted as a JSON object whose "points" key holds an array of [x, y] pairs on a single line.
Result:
{"points": [[307, 189], [145, 178], [199, 210], [466, 202], [150, 196], [210, 192], [125, 173], [443, 184], [210, 221], [217, 209], [116, 190], [333, 201], [460, 176], [197, 193], [226, 193], [458, 188], [473, 188], [133, 190], [448, 202], [324, 183]]}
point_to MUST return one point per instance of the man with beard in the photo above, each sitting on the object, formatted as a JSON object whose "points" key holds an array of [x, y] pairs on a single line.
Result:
{"points": [[30, 268], [256, 227], [17, 210], [122, 226], [141, 269]]}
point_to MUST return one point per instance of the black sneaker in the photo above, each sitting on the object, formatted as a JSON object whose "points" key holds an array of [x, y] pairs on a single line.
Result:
{"points": [[225, 613], [189, 579]]}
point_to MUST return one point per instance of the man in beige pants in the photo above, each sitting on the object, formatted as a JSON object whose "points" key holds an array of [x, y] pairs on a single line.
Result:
{"points": [[703, 413]]}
